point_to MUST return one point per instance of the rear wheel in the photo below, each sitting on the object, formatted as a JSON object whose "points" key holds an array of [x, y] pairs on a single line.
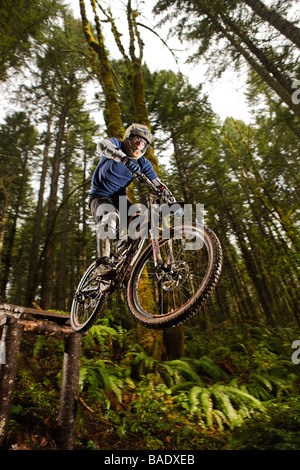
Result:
{"points": [[163, 297], [88, 301]]}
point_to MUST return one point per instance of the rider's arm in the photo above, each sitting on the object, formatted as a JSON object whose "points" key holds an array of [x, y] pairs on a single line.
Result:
{"points": [[109, 150]]}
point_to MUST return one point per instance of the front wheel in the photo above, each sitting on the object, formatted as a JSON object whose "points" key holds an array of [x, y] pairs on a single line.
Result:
{"points": [[88, 301], [164, 296]]}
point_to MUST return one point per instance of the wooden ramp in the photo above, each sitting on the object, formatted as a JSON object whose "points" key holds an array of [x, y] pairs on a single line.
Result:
{"points": [[13, 321]]}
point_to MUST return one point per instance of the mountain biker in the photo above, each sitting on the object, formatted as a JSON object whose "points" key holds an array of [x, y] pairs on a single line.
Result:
{"points": [[119, 160]]}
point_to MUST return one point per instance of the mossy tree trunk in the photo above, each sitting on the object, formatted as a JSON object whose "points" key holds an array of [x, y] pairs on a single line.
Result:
{"points": [[152, 340], [103, 72]]}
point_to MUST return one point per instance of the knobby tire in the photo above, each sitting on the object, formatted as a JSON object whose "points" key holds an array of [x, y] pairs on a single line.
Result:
{"points": [[143, 289], [76, 304]]}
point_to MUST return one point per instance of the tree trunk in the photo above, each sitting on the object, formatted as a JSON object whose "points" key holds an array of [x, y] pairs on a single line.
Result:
{"points": [[12, 234], [69, 392], [181, 172], [263, 73], [284, 81], [3, 222], [112, 113], [259, 69], [288, 29], [48, 265], [63, 265], [8, 372], [237, 227], [33, 258]]}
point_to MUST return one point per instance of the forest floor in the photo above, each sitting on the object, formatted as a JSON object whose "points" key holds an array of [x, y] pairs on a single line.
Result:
{"points": [[242, 395]]}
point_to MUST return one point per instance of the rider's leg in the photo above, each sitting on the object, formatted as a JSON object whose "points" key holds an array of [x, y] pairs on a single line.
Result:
{"points": [[106, 232], [106, 215], [103, 248]]}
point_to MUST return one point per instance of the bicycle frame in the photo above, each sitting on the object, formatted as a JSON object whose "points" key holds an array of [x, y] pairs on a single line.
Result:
{"points": [[128, 259], [135, 246]]}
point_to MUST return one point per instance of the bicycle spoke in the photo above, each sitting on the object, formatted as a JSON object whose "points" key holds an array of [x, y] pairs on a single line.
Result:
{"points": [[175, 283], [88, 300]]}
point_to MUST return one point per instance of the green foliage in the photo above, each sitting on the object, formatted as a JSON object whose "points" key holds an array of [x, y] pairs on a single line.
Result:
{"points": [[32, 399], [220, 404], [101, 376], [219, 391], [236, 383], [276, 429], [98, 375], [239, 393], [22, 22]]}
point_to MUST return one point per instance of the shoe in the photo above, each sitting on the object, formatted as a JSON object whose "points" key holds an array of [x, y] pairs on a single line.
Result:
{"points": [[105, 268]]}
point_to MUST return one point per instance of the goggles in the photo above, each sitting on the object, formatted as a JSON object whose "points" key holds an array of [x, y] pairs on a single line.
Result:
{"points": [[138, 142]]}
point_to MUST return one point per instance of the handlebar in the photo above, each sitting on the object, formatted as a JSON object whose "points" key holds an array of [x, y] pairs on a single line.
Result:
{"points": [[143, 178]]}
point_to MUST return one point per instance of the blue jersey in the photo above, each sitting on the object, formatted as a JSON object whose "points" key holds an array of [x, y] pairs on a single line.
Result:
{"points": [[111, 178]]}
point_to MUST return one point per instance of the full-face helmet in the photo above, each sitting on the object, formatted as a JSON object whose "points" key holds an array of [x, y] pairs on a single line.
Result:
{"points": [[137, 139]]}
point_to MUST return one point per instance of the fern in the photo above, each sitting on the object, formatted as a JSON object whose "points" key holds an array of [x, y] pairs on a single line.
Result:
{"points": [[220, 419], [182, 386], [140, 362], [180, 369], [193, 398], [100, 335], [264, 380], [207, 406], [225, 404], [207, 366], [218, 404], [99, 375]]}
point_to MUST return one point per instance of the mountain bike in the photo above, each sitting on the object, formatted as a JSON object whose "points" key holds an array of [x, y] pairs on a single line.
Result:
{"points": [[167, 281]]}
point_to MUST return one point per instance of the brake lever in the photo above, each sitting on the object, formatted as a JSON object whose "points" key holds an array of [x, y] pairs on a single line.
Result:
{"points": [[143, 178]]}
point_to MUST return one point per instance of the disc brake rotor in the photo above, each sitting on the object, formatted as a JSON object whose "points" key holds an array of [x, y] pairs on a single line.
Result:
{"points": [[172, 276]]}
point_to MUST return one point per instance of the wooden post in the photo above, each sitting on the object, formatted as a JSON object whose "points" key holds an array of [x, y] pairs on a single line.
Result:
{"points": [[11, 337], [69, 392], [47, 323]]}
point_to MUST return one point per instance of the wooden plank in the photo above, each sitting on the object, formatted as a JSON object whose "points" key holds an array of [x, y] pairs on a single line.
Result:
{"points": [[17, 319], [15, 309], [45, 327]]}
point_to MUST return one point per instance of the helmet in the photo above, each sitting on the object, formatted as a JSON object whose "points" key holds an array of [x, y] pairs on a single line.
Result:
{"points": [[140, 131]]}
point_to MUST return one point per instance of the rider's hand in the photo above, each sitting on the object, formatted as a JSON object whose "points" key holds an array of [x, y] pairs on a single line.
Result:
{"points": [[131, 165], [166, 193], [118, 155]]}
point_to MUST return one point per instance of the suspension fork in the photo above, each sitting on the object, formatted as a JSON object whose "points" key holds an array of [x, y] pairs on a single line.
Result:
{"points": [[158, 261], [170, 254], [153, 209]]}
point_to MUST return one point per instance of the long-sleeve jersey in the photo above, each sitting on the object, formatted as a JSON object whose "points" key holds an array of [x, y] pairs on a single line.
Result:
{"points": [[111, 178]]}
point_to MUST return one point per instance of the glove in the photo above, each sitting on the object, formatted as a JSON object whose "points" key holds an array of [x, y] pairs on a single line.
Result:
{"points": [[131, 165], [166, 193]]}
